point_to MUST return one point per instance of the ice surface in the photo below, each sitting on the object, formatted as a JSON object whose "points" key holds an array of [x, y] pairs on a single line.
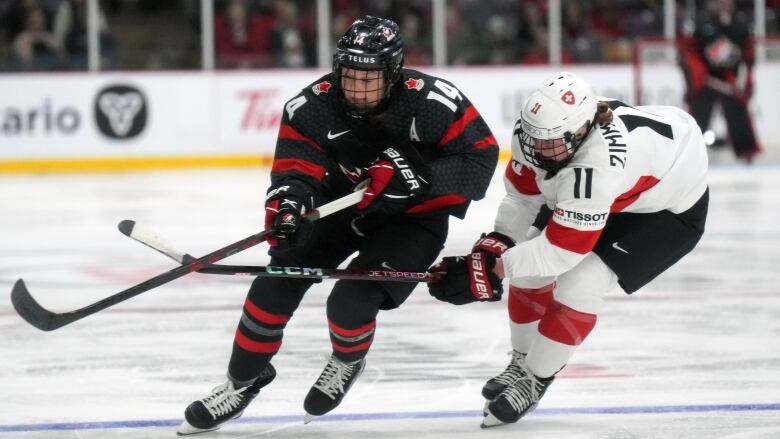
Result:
{"points": [[696, 354]]}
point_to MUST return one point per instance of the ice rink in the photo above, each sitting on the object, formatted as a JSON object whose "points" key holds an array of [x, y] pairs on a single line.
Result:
{"points": [[695, 354]]}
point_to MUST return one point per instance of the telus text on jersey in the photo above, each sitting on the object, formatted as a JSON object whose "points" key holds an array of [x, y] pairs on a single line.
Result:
{"points": [[616, 144]]}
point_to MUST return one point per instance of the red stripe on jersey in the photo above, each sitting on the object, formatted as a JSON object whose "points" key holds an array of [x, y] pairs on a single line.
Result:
{"points": [[290, 133], [528, 305], [456, 128], [306, 167], [525, 181], [259, 347], [487, 142], [626, 199], [573, 240], [264, 316], [437, 203], [351, 332], [349, 349], [566, 325]]}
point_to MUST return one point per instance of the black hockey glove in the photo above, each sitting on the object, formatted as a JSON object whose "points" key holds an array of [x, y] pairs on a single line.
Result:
{"points": [[467, 279], [470, 278], [284, 207], [395, 180]]}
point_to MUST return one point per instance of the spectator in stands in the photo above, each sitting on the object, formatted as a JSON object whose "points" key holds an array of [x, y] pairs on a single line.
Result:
{"points": [[344, 13], [35, 47], [606, 20], [290, 42], [499, 34], [535, 38], [14, 20], [647, 20], [577, 36], [70, 28], [242, 37], [773, 17], [462, 39], [717, 59], [418, 48], [539, 53], [414, 20], [607, 23]]}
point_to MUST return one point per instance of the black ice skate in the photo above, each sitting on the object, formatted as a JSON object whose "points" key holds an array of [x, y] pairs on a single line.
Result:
{"points": [[513, 372], [517, 400], [225, 403], [334, 382]]}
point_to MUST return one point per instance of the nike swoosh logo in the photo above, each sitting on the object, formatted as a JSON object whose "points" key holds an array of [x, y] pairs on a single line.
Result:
{"points": [[333, 136], [617, 247], [395, 196], [385, 265]]}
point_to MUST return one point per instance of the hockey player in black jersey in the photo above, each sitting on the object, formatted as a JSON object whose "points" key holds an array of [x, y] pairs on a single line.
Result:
{"points": [[427, 152], [717, 53]]}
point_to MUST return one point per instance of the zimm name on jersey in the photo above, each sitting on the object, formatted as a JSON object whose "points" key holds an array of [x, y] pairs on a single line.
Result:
{"points": [[616, 144]]}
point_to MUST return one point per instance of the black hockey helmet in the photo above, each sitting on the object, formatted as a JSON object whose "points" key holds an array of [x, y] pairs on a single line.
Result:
{"points": [[371, 44]]}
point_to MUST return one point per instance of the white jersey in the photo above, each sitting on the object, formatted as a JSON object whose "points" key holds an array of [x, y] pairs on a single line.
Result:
{"points": [[648, 159]]}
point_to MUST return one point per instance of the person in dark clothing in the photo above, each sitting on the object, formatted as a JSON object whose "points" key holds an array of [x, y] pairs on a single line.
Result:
{"points": [[717, 59], [427, 152]]}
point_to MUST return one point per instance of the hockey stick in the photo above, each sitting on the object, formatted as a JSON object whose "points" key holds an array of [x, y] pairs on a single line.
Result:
{"points": [[36, 315], [321, 273], [154, 241], [150, 239]]}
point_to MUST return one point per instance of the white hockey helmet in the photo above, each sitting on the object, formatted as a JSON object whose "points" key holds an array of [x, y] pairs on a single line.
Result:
{"points": [[555, 119]]}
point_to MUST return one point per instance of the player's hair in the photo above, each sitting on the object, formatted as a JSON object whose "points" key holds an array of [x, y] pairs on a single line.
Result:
{"points": [[603, 113]]}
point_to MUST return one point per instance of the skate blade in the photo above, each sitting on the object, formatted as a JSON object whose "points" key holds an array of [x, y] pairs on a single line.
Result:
{"points": [[186, 429], [308, 418], [490, 421]]}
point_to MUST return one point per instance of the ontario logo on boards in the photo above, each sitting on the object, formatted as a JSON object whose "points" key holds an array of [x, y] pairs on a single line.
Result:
{"points": [[121, 111], [46, 118]]}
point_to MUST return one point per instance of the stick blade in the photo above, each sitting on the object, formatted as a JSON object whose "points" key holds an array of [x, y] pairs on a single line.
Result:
{"points": [[29, 309]]}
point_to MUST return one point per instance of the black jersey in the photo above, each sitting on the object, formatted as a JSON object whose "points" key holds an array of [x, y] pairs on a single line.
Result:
{"points": [[323, 147], [723, 47]]}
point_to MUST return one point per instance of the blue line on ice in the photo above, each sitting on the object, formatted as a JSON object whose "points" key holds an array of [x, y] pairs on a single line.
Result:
{"points": [[402, 415]]}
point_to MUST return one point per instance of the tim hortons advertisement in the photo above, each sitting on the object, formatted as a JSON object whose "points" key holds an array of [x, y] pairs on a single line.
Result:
{"points": [[249, 107]]}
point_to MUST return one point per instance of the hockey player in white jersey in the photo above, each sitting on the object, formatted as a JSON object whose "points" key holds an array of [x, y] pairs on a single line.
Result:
{"points": [[621, 195]]}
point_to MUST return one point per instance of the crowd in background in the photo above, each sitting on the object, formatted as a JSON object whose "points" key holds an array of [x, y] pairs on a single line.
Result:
{"points": [[45, 35]]}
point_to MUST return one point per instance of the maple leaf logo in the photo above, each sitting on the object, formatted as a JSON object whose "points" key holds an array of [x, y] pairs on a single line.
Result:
{"points": [[414, 84], [322, 87]]}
